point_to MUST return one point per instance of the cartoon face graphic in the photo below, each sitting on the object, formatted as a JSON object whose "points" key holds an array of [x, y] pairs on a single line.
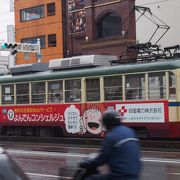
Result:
{"points": [[92, 121]]}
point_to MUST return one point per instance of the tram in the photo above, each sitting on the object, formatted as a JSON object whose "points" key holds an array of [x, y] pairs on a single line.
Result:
{"points": [[69, 98]]}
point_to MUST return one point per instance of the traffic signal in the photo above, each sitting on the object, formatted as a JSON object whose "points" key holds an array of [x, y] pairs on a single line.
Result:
{"points": [[4, 46], [11, 47]]}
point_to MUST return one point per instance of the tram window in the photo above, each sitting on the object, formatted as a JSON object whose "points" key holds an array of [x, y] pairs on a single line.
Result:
{"points": [[8, 94], [22, 93], [135, 86], [157, 85], [93, 89], [172, 86], [113, 88], [38, 92], [55, 91], [73, 90]]}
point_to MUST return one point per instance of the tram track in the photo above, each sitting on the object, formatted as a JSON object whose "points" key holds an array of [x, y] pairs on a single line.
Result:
{"points": [[56, 144], [161, 145]]}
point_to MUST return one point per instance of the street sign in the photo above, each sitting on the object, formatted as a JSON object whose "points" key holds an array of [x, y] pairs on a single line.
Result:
{"points": [[4, 60], [25, 47]]}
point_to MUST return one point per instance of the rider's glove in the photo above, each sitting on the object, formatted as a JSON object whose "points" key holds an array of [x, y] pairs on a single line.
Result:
{"points": [[85, 164]]}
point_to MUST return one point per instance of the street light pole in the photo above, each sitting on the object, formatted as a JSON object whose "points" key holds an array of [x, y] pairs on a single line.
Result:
{"points": [[39, 55]]}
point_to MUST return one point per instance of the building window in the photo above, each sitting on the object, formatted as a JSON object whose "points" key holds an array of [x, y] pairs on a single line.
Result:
{"points": [[34, 41], [32, 13], [109, 25], [52, 40], [51, 10]]}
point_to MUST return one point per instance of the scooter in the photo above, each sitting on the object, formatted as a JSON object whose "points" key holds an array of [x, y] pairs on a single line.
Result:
{"points": [[77, 173], [83, 173]]}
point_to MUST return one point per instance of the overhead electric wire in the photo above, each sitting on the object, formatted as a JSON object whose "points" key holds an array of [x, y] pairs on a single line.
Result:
{"points": [[162, 1]]}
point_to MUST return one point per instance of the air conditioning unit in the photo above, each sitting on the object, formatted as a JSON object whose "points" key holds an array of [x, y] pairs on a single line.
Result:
{"points": [[81, 61]]}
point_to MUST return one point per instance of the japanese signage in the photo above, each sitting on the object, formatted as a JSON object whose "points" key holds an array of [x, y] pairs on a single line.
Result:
{"points": [[33, 114], [144, 112]]}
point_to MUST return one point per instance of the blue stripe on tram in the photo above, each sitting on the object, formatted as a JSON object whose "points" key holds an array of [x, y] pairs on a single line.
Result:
{"points": [[174, 103]]}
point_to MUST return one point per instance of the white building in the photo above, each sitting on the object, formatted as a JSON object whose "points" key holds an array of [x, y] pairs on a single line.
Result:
{"points": [[7, 33], [167, 11], [7, 20]]}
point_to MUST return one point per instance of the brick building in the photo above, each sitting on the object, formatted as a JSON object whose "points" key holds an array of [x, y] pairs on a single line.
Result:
{"points": [[39, 19], [74, 27], [98, 26]]}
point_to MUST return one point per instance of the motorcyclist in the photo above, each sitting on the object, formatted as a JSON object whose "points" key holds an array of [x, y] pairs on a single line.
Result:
{"points": [[120, 150]]}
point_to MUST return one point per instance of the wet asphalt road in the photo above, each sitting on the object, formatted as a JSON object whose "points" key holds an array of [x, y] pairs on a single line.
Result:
{"points": [[41, 165]]}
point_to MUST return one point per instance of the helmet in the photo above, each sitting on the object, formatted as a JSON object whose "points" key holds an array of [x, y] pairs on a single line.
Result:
{"points": [[110, 119]]}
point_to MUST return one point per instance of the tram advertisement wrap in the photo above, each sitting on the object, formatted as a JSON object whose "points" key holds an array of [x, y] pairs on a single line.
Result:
{"points": [[82, 118], [78, 118]]}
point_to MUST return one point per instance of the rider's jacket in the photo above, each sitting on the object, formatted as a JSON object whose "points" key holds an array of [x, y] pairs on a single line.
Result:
{"points": [[120, 150]]}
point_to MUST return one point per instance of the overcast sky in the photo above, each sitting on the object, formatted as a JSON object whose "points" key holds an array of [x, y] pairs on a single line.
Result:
{"points": [[6, 18]]}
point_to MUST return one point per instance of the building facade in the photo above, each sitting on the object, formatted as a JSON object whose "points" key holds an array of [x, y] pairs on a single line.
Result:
{"points": [[42, 20], [75, 27], [98, 26]]}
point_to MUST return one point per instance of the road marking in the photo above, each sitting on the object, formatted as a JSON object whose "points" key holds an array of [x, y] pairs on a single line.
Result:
{"points": [[46, 175], [178, 174], [42, 175], [69, 178], [46, 153], [160, 160]]}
